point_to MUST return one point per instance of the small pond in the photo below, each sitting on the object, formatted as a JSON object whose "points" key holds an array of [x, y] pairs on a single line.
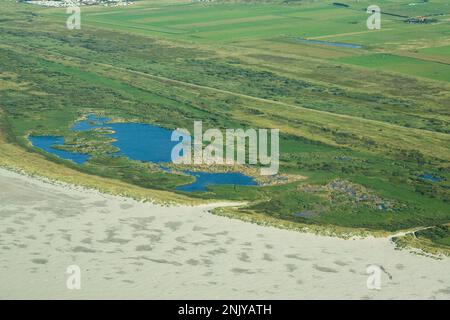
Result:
{"points": [[430, 177], [140, 142], [47, 143]]}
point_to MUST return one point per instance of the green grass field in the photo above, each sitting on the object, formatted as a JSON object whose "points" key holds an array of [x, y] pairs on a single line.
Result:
{"points": [[412, 66], [236, 24], [371, 120]]}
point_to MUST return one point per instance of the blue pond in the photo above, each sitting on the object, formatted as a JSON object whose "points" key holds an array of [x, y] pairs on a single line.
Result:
{"points": [[90, 123], [140, 142], [334, 44], [430, 177], [136, 141], [202, 179], [47, 143]]}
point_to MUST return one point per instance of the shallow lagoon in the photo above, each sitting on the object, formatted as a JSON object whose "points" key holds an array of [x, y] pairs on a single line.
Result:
{"points": [[203, 179], [140, 142], [47, 143]]}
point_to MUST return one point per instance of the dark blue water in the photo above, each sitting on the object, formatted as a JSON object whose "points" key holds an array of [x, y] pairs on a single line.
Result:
{"points": [[430, 177], [90, 123], [335, 44], [141, 142], [203, 179], [47, 143], [136, 141]]}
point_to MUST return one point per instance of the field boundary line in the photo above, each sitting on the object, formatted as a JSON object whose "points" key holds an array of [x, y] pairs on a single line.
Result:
{"points": [[345, 34]]}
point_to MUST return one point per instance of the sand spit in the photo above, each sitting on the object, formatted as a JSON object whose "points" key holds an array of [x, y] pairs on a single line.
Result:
{"points": [[127, 249]]}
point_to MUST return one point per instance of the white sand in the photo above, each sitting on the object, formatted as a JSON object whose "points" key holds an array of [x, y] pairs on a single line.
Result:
{"points": [[128, 249]]}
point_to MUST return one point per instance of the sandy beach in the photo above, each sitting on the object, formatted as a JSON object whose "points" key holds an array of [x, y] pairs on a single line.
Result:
{"points": [[132, 250]]}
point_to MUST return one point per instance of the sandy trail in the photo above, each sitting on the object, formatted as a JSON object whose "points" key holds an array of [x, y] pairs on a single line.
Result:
{"points": [[128, 249]]}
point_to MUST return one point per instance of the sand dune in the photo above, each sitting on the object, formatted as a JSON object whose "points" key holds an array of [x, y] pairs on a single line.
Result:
{"points": [[127, 249]]}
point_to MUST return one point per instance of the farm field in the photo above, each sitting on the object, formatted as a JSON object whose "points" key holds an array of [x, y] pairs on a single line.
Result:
{"points": [[238, 24], [362, 127]]}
